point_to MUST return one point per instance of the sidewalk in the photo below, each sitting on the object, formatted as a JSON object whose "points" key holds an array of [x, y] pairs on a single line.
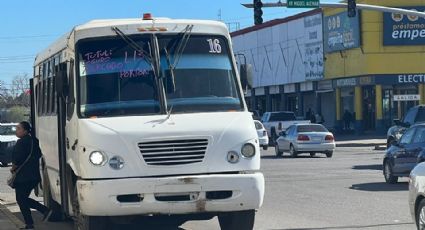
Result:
{"points": [[8, 221], [367, 140]]}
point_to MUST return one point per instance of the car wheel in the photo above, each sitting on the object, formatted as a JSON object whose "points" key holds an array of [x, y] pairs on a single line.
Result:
{"points": [[278, 152], [312, 154], [329, 154], [265, 147], [388, 173], [420, 215], [292, 151]]}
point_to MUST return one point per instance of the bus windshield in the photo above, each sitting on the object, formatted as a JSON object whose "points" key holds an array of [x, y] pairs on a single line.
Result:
{"points": [[203, 78], [117, 76]]}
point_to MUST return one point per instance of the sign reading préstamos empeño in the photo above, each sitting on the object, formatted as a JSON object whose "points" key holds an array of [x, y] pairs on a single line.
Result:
{"points": [[400, 29]]}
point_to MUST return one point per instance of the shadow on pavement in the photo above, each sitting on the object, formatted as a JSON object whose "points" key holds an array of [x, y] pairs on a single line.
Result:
{"points": [[380, 187], [353, 226], [136, 224], [368, 167], [287, 157]]}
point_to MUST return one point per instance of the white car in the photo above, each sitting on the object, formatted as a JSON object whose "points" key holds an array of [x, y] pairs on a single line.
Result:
{"points": [[263, 138], [8, 140], [417, 195], [305, 138]]}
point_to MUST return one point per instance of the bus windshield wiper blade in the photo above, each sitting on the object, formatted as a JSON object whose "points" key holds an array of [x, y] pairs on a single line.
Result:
{"points": [[133, 44]]}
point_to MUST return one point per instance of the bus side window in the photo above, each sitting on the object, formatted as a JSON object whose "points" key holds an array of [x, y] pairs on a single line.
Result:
{"points": [[48, 95], [45, 88], [71, 98]]}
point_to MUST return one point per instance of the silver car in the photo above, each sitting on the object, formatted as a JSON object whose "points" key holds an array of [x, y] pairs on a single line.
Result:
{"points": [[305, 138], [263, 138]]}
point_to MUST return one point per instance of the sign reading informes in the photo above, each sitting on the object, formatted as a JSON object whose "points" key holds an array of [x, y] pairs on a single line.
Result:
{"points": [[400, 29], [407, 97], [303, 4], [341, 32]]}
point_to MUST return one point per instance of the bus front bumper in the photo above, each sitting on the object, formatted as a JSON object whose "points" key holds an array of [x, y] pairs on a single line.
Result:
{"points": [[171, 195]]}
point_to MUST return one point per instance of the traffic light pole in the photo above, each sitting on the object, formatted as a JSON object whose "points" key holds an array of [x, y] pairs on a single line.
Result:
{"points": [[344, 5]]}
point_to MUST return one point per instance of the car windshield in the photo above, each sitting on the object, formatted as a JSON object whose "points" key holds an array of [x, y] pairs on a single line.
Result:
{"points": [[7, 130], [282, 116], [311, 128], [116, 78], [199, 75]]}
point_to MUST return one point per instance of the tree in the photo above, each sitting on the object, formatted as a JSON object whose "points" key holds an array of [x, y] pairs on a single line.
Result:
{"points": [[20, 90], [16, 114]]}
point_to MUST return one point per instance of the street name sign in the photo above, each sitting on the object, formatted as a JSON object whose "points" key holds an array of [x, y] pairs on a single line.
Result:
{"points": [[303, 3]]}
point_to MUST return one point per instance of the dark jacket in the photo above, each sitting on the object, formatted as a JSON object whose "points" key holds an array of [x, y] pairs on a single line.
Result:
{"points": [[31, 170]]}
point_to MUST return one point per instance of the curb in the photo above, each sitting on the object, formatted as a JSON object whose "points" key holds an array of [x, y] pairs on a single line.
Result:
{"points": [[9, 215], [359, 144]]}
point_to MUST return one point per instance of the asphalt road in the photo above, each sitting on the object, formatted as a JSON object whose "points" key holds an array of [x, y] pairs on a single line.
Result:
{"points": [[345, 192]]}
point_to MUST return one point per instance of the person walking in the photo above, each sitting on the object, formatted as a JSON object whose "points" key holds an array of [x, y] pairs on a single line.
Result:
{"points": [[26, 155], [347, 117]]}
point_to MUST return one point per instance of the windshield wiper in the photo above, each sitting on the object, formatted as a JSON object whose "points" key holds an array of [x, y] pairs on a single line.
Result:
{"points": [[133, 45], [177, 54]]}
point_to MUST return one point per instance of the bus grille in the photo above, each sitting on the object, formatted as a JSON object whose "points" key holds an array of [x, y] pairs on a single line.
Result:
{"points": [[174, 152]]}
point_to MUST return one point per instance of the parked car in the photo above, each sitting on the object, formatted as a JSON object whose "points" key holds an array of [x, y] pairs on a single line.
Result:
{"points": [[404, 154], [413, 116], [305, 138], [276, 122], [417, 195], [7, 142], [263, 138]]}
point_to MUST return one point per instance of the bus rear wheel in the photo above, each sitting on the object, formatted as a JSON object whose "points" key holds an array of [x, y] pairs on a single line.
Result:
{"points": [[243, 220], [83, 222]]}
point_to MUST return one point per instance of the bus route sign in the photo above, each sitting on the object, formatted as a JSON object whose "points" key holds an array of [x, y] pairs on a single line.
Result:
{"points": [[303, 4]]}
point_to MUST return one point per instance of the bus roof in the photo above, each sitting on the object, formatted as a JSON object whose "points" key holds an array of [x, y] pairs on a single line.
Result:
{"points": [[100, 28]]}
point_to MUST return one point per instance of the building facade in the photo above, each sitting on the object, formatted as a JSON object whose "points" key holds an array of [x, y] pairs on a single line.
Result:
{"points": [[358, 73]]}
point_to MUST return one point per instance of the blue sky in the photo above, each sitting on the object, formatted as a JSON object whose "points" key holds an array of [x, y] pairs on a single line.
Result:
{"points": [[28, 26]]}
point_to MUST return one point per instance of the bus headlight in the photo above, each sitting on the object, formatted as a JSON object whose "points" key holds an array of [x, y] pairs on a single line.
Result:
{"points": [[116, 162], [97, 158], [248, 150]]}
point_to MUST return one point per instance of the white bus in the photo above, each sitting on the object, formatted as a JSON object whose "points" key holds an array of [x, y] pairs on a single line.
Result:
{"points": [[141, 117]]}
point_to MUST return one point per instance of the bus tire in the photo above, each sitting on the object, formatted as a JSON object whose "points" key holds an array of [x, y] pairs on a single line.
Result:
{"points": [[242, 220], [83, 222]]}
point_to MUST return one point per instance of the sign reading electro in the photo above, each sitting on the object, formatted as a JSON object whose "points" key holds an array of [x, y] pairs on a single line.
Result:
{"points": [[400, 29]]}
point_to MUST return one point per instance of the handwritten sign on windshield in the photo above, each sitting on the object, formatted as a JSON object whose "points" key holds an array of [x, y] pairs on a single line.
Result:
{"points": [[127, 63]]}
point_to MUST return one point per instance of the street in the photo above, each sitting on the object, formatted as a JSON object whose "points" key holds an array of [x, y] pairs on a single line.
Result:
{"points": [[345, 192]]}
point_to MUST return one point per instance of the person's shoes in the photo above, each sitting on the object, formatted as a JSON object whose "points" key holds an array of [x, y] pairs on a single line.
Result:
{"points": [[27, 227], [47, 215]]}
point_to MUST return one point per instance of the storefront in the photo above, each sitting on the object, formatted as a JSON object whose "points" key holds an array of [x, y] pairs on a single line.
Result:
{"points": [[373, 102]]}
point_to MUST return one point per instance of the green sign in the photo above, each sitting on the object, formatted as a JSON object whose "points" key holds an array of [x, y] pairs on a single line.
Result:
{"points": [[303, 4]]}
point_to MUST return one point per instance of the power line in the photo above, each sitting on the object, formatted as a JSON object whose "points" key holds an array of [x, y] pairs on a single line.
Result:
{"points": [[26, 37]]}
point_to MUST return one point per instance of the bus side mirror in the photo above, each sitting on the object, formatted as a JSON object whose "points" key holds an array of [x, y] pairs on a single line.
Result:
{"points": [[246, 75], [61, 80]]}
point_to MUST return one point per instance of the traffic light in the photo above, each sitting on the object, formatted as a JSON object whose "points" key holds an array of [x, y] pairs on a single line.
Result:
{"points": [[351, 8], [258, 12]]}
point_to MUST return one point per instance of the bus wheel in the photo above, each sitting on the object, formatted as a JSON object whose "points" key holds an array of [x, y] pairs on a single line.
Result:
{"points": [[243, 220], [83, 222]]}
